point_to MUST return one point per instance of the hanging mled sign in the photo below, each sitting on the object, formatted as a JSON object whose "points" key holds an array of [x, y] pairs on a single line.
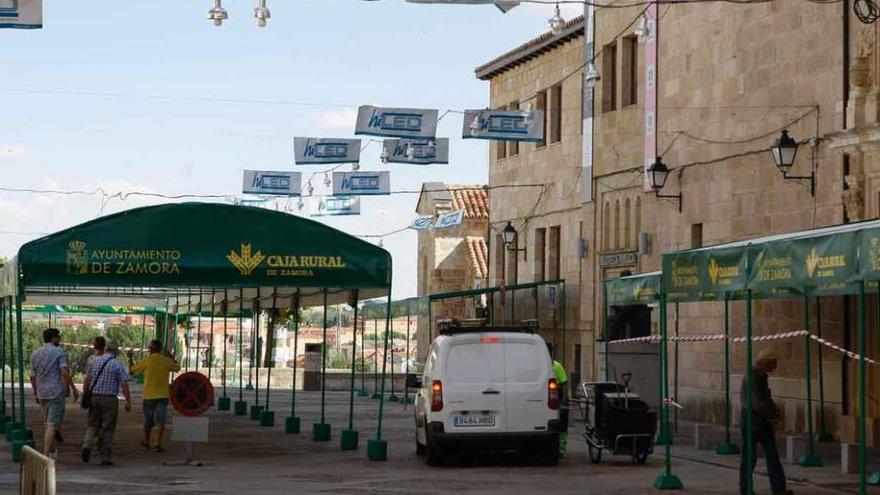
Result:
{"points": [[361, 183], [449, 219], [337, 206], [313, 151], [396, 122], [21, 14], [272, 183], [422, 223], [504, 125], [416, 151]]}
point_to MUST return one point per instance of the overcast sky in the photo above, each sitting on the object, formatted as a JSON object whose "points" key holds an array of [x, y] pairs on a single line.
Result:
{"points": [[138, 96]]}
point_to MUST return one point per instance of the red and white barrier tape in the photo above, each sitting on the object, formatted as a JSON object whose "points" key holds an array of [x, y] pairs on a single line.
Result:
{"points": [[841, 349], [760, 338]]}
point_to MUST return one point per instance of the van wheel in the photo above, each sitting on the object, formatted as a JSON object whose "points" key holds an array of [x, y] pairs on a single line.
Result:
{"points": [[434, 455], [595, 453]]}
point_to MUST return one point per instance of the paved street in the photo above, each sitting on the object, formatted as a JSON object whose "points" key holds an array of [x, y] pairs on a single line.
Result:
{"points": [[243, 453]]}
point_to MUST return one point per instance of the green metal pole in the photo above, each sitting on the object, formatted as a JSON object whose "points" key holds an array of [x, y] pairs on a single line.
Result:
{"points": [[376, 359], [824, 435], [20, 337], [12, 358], [363, 391], [605, 337], [143, 333], [377, 448], [270, 346], [350, 436], [240, 347], [255, 361], [210, 354], [225, 336], [863, 406], [562, 310], [3, 310], [406, 372], [667, 480], [176, 316], [321, 431], [810, 459], [292, 423], [198, 330], [728, 447], [750, 379]]}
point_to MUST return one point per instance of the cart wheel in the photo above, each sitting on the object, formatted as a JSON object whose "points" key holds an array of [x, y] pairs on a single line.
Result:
{"points": [[640, 458], [595, 453]]}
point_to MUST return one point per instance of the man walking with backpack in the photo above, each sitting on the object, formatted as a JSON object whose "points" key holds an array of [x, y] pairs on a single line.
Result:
{"points": [[105, 377]]}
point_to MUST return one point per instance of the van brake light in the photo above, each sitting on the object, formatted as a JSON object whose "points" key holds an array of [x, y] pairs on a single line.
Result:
{"points": [[436, 396], [491, 340], [553, 394]]}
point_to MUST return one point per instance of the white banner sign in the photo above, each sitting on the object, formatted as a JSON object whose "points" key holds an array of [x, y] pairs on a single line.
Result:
{"points": [[504, 125], [361, 183], [312, 151], [396, 122], [422, 223], [272, 183], [21, 14], [335, 206], [449, 219], [416, 151]]}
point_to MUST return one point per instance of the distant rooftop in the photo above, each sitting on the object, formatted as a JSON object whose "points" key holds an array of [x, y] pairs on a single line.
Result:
{"points": [[473, 199]]}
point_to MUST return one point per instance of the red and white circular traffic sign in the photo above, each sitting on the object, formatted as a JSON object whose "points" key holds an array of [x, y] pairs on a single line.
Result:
{"points": [[192, 394]]}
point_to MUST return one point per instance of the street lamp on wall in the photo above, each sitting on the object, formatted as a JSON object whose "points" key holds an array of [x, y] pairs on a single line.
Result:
{"points": [[784, 152], [509, 236], [658, 172]]}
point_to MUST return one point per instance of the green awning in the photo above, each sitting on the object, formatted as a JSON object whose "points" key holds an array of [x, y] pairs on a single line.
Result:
{"points": [[826, 261], [641, 288], [174, 252]]}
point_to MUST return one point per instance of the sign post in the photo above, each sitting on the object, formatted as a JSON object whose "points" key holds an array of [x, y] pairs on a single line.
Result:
{"points": [[191, 395]]}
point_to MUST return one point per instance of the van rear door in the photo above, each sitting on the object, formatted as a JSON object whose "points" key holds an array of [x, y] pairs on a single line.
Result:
{"points": [[473, 386], [527, 368]]}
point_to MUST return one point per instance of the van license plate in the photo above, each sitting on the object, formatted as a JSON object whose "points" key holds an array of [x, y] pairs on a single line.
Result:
{"points": [[483, 420]]}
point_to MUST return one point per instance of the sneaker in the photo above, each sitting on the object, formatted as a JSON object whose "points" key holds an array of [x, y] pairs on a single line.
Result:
{"points": [[107, 462], [86, 454]]}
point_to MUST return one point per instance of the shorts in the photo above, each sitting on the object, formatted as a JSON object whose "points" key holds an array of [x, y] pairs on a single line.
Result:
{"points": [[53, 410], [155, 411]]}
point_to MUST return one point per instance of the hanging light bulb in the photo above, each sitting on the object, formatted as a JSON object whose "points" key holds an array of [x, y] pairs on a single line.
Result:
{"points": [[527, 117], [380, 243], [310, 188], [327, 181], [355, 167], [262, 14], [384, 156], [475, 124], [641, 30], [410, 150], [556, 22], [218, 14], [591, 75]]}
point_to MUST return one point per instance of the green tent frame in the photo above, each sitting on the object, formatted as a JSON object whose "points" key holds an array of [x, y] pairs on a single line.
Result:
{"points": [[172, 255], [830, 261]]}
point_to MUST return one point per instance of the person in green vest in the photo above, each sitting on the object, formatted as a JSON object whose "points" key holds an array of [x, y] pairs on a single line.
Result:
{"points": [[561, 380]]}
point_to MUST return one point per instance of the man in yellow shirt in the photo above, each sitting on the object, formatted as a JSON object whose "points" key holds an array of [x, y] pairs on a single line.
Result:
{"points": [[156, 368]]}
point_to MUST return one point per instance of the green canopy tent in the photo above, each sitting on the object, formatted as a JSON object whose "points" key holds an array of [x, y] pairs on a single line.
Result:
{"points": [[829, 261], [246, 257]]}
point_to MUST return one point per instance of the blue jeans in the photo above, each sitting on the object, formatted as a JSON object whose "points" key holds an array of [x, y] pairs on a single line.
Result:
{"points": [[762, 433]]}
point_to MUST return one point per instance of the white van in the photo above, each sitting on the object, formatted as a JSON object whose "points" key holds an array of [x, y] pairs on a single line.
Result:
{"points": [[487, 390]]}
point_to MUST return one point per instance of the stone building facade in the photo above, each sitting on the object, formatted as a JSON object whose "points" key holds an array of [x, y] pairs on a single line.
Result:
{"points": [[454, 258], [731, 77], [536, 189]]}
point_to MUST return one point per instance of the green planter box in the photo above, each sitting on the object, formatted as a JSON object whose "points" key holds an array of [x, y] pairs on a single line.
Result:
{"points": [[17, 446], [291, 424], [267, 418], [255, 412], [321, 432], [224, 403], [349, 439], [241, 408], [377, 450]]}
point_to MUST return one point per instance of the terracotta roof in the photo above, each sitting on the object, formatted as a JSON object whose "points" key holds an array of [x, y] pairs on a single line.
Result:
{"points": [[479, 253], [474, 200], [531, 49]]}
